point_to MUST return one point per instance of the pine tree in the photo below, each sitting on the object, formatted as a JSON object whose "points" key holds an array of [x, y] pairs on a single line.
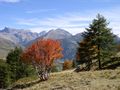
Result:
{"points": [[85, 54], [17, 67], [99, 41]]}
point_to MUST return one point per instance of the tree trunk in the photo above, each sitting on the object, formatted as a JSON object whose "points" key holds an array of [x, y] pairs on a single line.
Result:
{"points": [[44, 75], [99, 61]]}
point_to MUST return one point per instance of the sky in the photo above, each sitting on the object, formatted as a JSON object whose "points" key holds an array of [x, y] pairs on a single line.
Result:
{"points": [[71, 15]]}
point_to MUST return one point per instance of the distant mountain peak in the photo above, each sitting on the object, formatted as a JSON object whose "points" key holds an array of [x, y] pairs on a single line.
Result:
{"points": [[6, 29], [60, 30], [20, 36], [13, 30], [58, 34]]}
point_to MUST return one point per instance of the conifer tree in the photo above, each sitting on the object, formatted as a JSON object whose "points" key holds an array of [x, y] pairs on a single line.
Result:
{"points": [[17, 67], [99, 40]]}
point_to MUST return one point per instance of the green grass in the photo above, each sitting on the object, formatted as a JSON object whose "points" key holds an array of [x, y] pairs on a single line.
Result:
{"points": [[25, 82]]}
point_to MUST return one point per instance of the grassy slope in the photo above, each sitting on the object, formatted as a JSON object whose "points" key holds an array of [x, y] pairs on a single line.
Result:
{"points": [[5, 47], [4, 52], [69, 80]]}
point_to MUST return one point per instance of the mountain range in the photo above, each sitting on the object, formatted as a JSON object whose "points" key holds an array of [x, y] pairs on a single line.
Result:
{"points": [[10, 38]]}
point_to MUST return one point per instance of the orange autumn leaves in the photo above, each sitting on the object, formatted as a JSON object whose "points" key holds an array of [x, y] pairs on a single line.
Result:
{"points": [[44, 52]]}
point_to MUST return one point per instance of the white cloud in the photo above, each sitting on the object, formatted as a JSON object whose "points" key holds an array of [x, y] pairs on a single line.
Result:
{"points": [[10, 1], [73, 22]]}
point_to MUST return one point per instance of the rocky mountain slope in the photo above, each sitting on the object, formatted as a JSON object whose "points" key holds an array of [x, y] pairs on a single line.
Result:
{"points": [[68, 41], [9, 38], [5, 47], [19, 36]]}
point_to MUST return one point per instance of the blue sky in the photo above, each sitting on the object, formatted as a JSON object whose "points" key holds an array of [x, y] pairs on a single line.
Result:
{"points": [[71, 15]]}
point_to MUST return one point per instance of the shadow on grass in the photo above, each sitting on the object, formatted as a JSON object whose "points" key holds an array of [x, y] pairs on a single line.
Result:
{"points": [[112, 64], [22, 86]]}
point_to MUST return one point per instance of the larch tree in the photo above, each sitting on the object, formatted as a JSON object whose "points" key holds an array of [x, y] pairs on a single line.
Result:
{"points": [[42, 54], [67, 64]]}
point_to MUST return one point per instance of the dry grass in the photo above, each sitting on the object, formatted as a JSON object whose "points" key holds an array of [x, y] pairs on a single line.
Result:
{"points": [[69, 80]]}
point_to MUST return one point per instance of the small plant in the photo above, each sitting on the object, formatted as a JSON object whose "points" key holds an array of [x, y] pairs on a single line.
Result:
{"points": [[67, 64]]}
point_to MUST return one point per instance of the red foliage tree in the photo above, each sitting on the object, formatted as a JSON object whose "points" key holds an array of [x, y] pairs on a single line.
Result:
{"points": [[41, 55]]}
